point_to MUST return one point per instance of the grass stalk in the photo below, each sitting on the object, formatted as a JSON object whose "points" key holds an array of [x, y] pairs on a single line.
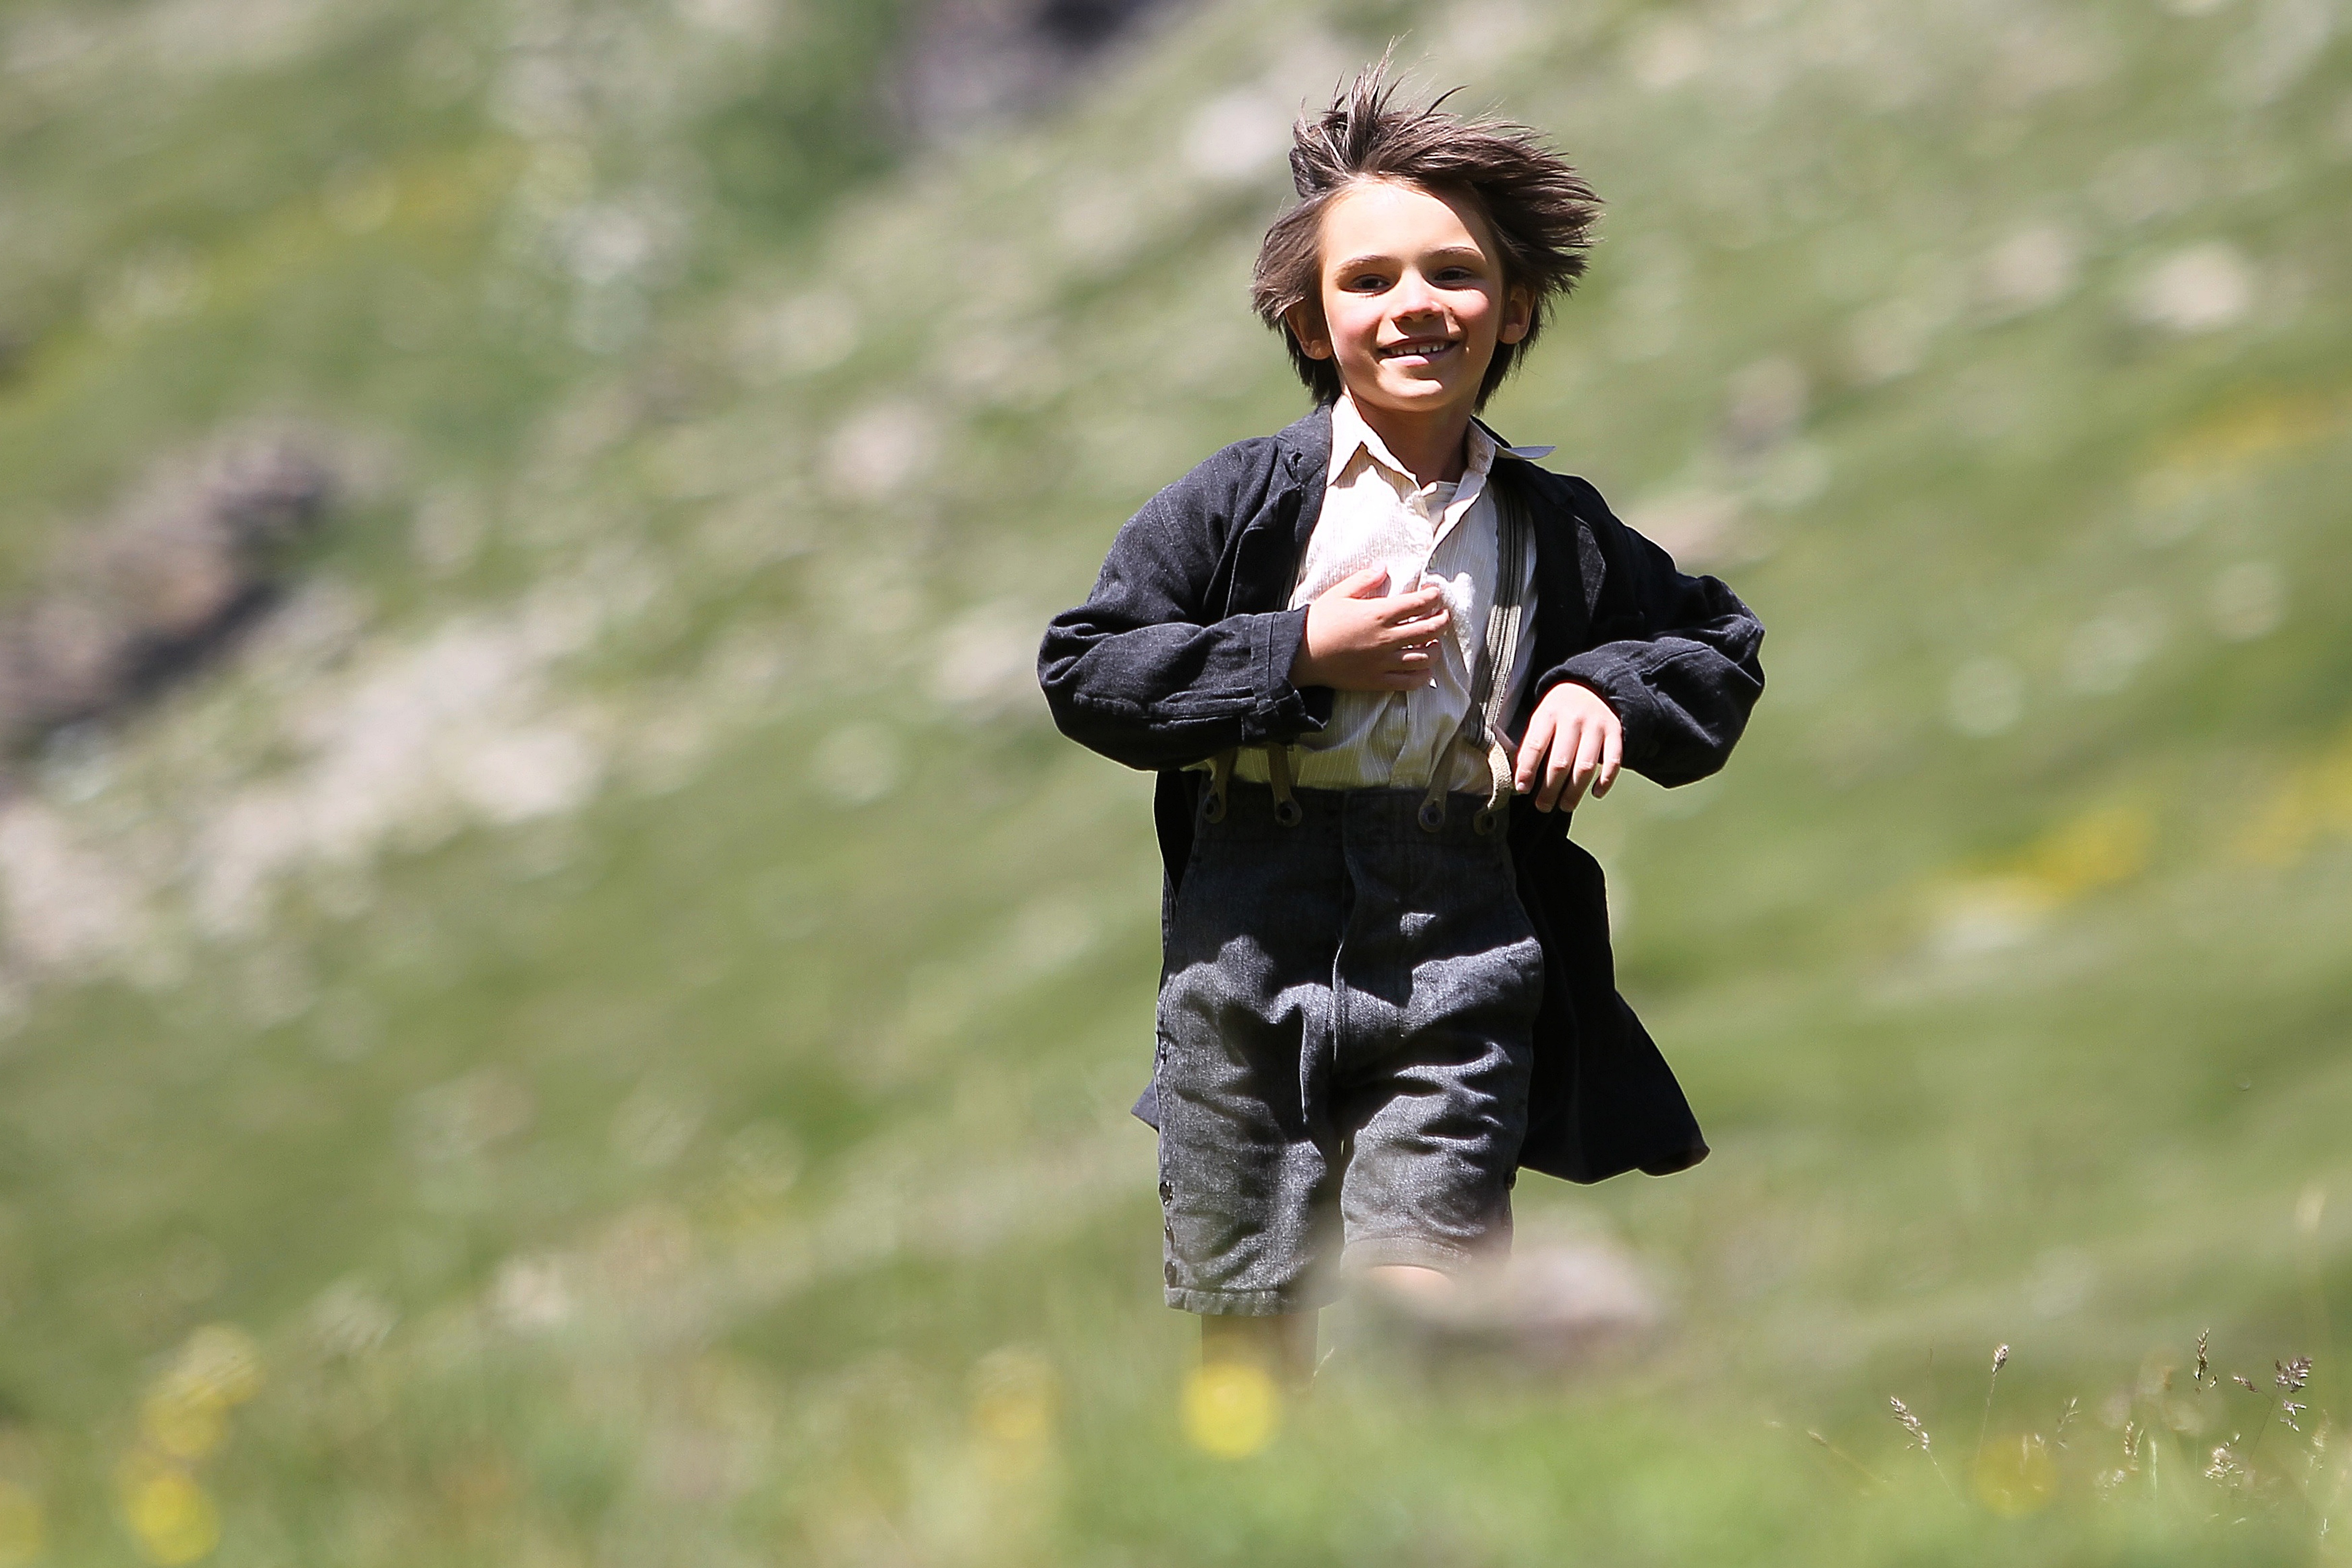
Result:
{"points": [[1984, 1422], [1850, 1462], [1919, 1430]]}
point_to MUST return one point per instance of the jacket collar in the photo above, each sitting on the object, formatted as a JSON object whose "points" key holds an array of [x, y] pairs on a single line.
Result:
{"points": [[1306, 445]]}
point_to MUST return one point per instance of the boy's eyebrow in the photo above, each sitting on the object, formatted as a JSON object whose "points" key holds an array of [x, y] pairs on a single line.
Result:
{"points": [[1470, 251]]}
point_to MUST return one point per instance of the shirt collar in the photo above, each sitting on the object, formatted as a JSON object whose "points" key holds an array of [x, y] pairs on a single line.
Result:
{"points": [[1350, 435], [1524, 454]]}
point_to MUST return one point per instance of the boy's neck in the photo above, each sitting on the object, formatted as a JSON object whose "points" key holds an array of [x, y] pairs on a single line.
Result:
{"points": [[1433, 445]]}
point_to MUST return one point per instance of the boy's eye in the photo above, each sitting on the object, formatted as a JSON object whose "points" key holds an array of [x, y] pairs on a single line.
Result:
{"points": [[1370, 282]]}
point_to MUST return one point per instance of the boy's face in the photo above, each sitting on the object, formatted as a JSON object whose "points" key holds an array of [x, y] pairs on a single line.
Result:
{"points": [[1413, 298]]}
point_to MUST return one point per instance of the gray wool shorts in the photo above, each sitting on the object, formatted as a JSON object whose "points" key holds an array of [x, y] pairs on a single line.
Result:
{"points": [[1346, 1027]]}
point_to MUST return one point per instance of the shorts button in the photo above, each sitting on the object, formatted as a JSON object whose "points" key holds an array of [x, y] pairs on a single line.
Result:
{"points": [[1167, 1193], [1168, 1272]]}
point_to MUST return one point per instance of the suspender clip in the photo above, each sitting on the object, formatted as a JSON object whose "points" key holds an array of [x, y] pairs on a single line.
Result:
{"points": [[1220, 779]]}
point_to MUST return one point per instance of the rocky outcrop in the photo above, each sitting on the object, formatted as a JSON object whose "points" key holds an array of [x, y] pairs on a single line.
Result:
{"points": [[152, 591], [972, 62]]}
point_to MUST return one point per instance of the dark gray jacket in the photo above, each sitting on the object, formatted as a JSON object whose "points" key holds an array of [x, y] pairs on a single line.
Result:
{"points": [[1185, 649]]}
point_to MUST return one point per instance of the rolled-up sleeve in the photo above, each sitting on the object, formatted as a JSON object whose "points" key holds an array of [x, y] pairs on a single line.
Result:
{"points": [[1680, 664], [1139, 673]]}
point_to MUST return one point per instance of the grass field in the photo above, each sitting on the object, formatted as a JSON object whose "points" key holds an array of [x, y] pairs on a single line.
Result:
{"points": [[601, 1033]]}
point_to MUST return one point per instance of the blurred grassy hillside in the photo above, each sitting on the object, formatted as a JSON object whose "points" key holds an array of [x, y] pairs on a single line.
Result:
{"points": [[601, 1031]]}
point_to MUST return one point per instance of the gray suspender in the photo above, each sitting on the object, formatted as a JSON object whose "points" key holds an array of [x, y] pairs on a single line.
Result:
{"points": [[1482, 725]]}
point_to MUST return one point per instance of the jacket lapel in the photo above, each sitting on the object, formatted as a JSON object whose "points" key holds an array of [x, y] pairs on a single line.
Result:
{"points": [[1270, 546], [1565, 577], [1306, 452]]}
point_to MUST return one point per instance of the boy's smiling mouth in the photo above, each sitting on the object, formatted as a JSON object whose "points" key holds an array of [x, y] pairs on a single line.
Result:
{"points": [[1418, 348]]}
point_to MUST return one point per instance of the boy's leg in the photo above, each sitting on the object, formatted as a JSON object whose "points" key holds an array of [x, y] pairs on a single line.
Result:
{"points": [[1439, 978], [1245, 1184], [1281, 1346], [1411, 1283]]}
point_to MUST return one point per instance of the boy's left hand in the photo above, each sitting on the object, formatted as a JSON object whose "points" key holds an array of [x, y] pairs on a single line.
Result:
{"points": [[1586, 742]]}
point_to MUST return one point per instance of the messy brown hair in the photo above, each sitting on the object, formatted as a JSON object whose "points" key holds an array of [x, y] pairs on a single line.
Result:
{"points": [[1540, 210]]}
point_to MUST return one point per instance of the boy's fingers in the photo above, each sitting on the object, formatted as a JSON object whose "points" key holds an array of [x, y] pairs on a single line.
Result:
{"points": [[1583, 760], [1398, 608], [1426, 615], [1364, 584], [1412, 633], [1613, 757], [1556, 765], [1588, 763], [1531, 752]]}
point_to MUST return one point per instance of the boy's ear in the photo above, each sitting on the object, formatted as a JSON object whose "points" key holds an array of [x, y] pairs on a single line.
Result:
{"points": [[1518, 313], [1306, 330]]}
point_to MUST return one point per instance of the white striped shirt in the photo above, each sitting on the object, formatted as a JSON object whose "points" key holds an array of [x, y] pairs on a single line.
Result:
{"points": [[1376, 514]]}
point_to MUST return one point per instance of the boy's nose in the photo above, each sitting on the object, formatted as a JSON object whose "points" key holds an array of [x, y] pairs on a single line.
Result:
{"points": [[1414, 296]]}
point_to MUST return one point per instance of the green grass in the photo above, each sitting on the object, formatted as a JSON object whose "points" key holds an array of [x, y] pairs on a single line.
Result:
{"points": [[622, 998]]}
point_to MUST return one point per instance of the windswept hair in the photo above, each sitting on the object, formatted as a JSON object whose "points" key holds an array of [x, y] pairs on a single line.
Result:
{"points": [[1540, 210]]}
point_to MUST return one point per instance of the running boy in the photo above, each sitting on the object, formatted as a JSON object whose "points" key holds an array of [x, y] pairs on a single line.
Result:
{"points": [[1376, 660]]}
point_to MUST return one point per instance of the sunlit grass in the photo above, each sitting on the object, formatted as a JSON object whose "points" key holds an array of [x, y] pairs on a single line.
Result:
{"points": [[728, 1161]]}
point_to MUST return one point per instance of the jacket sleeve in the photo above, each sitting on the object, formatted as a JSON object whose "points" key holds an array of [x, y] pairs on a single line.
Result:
{"points": [[1674, 655], [1141, 674]]}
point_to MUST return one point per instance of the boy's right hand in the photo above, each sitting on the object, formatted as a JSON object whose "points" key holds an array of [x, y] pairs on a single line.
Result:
{"points": [[1359, 640]]}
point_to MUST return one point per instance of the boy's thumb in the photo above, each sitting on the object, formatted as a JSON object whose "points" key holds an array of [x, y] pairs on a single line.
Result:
{"points": [[1365, 584]]}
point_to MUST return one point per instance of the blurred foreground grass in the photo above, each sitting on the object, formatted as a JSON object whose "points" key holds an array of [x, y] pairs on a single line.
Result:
{"points": [[603, 1034]]}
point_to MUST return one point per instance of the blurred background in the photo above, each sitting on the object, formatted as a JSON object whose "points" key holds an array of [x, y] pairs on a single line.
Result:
{"points": [[565, 1005]]}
